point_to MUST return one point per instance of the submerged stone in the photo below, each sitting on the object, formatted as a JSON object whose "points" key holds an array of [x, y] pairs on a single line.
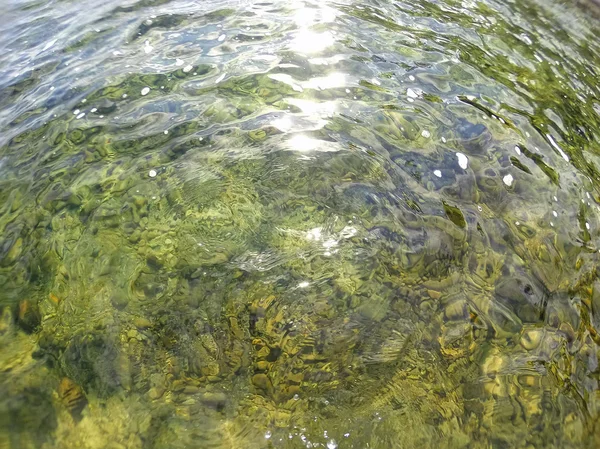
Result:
{"points": [[347, 224]]}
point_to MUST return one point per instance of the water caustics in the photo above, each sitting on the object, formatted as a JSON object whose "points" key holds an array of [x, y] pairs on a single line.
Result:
{"points": [[332, 224]]}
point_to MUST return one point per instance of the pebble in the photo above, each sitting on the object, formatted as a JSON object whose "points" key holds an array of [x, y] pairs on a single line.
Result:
{"points": [[531, 339], [119, 300], [142, 323], [214, 399], [262, 381], [191, 389], [433, 294], [156, 392]]}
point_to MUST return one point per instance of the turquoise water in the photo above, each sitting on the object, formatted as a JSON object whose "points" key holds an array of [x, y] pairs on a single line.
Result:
{"points": [[299, 224]]}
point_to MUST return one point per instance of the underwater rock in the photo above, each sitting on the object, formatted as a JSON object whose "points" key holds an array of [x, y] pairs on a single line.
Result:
{"points": [[27, 418], [524, 296], [262, 382], [531, 338], [90, 360], [6, 321], [72, 397], [119, 300], [29, 317], [10, 251], [142, 323], [474, 137]]}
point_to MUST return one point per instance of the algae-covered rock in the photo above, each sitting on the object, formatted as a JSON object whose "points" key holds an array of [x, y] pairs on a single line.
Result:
{"points": [[346, 226]]}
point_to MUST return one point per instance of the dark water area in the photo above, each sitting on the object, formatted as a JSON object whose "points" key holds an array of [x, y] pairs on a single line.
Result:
{"points": [[288, 224]]}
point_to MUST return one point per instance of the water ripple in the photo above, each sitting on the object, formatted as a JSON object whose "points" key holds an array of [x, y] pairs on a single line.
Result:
{"points": [[299, 223]]}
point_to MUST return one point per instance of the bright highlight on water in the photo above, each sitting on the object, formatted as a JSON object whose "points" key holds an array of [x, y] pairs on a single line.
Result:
{"points": [[299, 224]]}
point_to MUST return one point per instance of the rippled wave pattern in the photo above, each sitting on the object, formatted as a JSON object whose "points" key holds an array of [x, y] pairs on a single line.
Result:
{"points": [[351, 224]]}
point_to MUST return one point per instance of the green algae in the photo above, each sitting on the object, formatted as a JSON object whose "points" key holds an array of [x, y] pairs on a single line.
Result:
{"points": [[268, 261]]}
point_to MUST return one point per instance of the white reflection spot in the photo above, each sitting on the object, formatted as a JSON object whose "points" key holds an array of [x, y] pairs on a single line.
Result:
{"points": [[587, 226], [147, 47], [49, 44], [411, 93], [268, 434], [330, 81], [508, 180], [179, 62], [311, 42], [348, 232], [303, 284], [152, 173], [328, 244], [314, 234], [463, 161], [283, 124], [303, 143], [555, 145], [287, 79], [187, 68], [426, 134], [525, 38], [437, 173]]}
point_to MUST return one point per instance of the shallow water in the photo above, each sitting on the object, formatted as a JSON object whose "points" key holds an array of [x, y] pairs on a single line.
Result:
{"points": [[239, 224]]}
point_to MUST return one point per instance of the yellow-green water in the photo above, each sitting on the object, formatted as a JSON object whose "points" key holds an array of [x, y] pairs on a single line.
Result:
{"points": [[287, 224]]}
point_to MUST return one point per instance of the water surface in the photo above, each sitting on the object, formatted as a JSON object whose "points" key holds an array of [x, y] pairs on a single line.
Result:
{"points": [[286, 224]]}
